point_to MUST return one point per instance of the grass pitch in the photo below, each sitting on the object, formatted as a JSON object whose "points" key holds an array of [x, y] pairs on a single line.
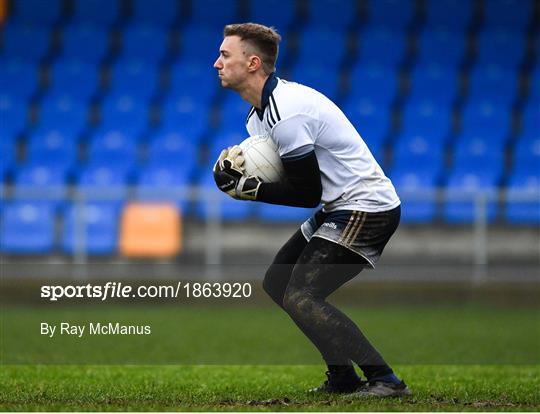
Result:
{"points": [[258, 388], [454, 357]]}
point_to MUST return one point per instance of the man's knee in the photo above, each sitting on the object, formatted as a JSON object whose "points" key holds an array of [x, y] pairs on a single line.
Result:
{"points": [[297, 302], [272, 287]]}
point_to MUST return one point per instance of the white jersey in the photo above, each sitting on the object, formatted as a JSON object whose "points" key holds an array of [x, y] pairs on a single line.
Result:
{"points": [[299, 119]]}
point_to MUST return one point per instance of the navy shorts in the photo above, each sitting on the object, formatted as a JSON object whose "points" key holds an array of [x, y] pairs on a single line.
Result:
{"points": [[364, 233]]}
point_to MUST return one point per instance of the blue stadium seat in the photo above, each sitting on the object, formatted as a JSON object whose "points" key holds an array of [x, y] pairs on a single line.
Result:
{"points": [[323, 78], [224, 138], [534, 80], [162, 13], [417, 167], [463, 188], [112, 147], [85, 42], [397, 14], [201, 43], [144, 42], [123, 112], [214, 13], [330, 47], [527, 151], [371, 121], [493, 83], [168, 147], [8, 153], [234, 112], [419, 154], [63, 112], [447, 13], [478, 152], [158, 182], [14, 115], [427, 118], [18, 78], [134, 77], [37, 12], [523, 196], [75, 78], [25, 42], [435, 83], [100, 12], [274, 213], [43, 183], [27, 228], [382, 45], [486, 118], [231, 210], [501, 47], [531, 119], [513, 14], [195, 78], [187, 114], [92, 226], [325, 13], [373, 82], [277, 13], [416, 190], [51, 147], [285, 55], [102, 180], [441, 46]]}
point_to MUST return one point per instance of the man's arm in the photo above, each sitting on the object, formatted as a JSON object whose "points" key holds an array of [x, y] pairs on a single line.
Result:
{"points": [[301, 187]]}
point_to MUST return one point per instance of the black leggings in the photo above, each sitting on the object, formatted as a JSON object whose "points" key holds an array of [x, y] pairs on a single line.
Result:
{"points": [[300, 279]]}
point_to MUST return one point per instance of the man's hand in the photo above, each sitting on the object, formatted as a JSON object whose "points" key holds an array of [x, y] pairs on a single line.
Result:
{"points": [[229, 175], [248, 187], [230, 159]]}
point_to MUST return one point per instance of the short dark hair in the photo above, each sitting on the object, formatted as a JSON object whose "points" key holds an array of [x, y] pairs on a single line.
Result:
{"points": [[264, 39]]}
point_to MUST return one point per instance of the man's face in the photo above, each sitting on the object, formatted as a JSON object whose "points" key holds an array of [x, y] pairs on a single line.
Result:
{"points": [[232, 63]]}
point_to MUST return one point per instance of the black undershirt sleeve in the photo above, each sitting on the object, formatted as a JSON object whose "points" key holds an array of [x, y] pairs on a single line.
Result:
{"points": [[301, 187]]}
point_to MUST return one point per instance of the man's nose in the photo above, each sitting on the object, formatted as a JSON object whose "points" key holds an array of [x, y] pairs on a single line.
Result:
{"points": [[217, 63]]}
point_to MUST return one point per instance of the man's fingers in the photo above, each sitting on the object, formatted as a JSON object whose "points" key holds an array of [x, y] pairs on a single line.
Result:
{"points": [[234, 152], [239, 161], [223, 154]]}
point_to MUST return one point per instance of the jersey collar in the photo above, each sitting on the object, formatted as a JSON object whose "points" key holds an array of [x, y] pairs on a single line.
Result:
{"points": [[268, 88]]}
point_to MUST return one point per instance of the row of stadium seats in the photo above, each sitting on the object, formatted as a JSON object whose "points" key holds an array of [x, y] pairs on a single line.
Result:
{"points": [[32, 227], [125, 120], [364, 80], [376, 44], [72, 118], [53, 150], [282, 13], [72, 85]]}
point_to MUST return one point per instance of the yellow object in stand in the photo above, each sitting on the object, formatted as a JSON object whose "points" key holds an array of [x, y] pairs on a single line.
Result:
{"points": [[3, 11], [150, 230]]}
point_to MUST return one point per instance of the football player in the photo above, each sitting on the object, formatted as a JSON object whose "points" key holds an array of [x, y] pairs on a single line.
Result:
{"points": [[326, 162]]}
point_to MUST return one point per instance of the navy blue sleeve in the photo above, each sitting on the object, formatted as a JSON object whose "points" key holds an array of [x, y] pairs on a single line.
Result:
{"points": [[302, 184]]}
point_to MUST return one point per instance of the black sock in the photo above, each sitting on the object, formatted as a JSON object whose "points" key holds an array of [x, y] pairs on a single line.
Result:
{"points": [[375, 371], [343, 373]]}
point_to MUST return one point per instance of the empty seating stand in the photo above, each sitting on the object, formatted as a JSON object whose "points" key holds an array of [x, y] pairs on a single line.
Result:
{"points": [[100, 95]]}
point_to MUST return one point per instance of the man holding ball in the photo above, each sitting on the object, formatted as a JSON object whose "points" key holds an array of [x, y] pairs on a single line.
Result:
{"points": [[326, 162]]}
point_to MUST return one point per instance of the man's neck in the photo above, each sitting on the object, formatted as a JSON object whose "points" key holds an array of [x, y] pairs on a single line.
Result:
{"points": [[252, 93]]}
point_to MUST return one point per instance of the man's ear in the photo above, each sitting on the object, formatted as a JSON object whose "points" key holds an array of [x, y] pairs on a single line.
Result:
{"points": [[255, 63]]}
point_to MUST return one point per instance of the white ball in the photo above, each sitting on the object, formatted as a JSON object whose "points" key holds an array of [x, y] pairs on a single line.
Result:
{"points": [[262, 158]]}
